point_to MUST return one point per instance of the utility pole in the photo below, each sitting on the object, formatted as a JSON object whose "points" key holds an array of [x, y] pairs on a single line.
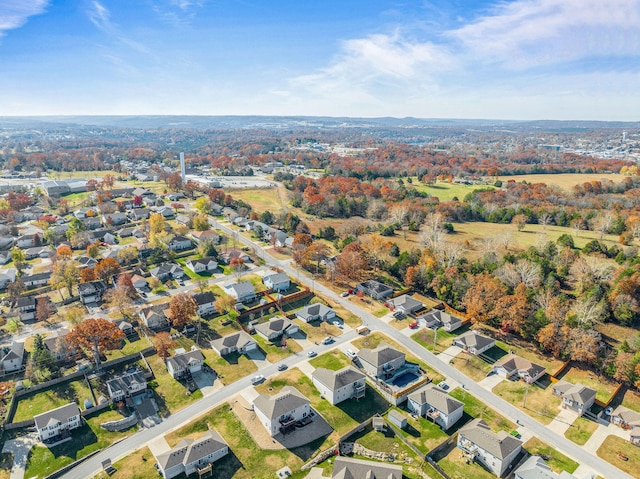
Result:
{"points": [[526, 391], [435, 337]]}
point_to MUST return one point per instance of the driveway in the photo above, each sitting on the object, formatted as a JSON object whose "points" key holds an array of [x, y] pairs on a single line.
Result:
{"points": [[20, 448], [448, 354], [562, 421], [206, 382], [490, 381], [258, 357]]}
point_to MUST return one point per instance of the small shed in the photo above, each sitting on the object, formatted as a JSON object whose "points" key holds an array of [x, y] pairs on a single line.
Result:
{"points": [[378, 423], [397, 419]]}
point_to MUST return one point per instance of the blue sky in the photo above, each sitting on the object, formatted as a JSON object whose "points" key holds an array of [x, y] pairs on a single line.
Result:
{"points": [[521, 59]]}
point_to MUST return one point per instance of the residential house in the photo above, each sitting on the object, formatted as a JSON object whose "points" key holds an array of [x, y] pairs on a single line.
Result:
{"points": [[495, 451], [38, 279], [127, 385], [317, 311], [126, 232], [154, 317], [375, 289], [406, 304], [11, 357], [83, 213], [26, 306], [91, 292], [103, 236], [279, 413], [139, 282], [204, 265], [91, 223], [338, 386], [5, 257], [536, 468], [180, 243], [210, 235], [240, 221], [189, 455], [345, 467], [243, 291], [436, 404], [228, 255], [126, 327], [276, 328], [86, 262], [167, 212], [6, 242], [238, 342], [114, 219], [184, 363], [167, 271], [37, 252], [183, 219], [474, 343], [205, 303], [175, 196], [8, 276], [29, 240], [515, 367], [138, 214], [450, 323], [58, 421], [277, 281], [382, 361], [59, 348], [574, 396], [625, 418], [142, 192]]}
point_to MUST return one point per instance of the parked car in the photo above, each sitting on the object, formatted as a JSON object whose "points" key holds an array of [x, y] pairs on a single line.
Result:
{"points": [[257, 379], [338, 324], [350, 353], [443, 385], [282, 367], [312, 354], [344, 294]]}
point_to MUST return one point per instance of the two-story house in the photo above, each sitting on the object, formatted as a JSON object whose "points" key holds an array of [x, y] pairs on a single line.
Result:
{"points": [[11, 356], [243, 291], [91, 292], [205, 302], [191, 454], [381, 362], [26, 306], [57, 421], [345, 467], [436, 404], [128, 384], [495, 451], [279, 413], [512, 366], [338, 386], [154, 317], [180, 243], [184, 363], [277, 281], [574, 396]]}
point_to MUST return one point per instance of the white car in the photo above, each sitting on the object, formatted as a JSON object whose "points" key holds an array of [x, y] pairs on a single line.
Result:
{"points": [[327, 340], [312, 354], [257, 379], [344, 294], [350, 353], [337, 324]]}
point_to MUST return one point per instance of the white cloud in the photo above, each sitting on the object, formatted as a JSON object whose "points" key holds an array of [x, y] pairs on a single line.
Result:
{"points": [[15, 13], [99, 15]]}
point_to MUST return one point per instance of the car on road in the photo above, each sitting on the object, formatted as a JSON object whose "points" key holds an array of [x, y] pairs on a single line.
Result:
{"points": [[282, 367], [443, 385], [257, 379], [350, 353], [180, 282], [327, 340], [143, 294], [344, 294], [312, 354]]}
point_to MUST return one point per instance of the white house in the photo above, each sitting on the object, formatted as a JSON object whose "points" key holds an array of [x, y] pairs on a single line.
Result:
{"points": [[205, 302], [53, 423], [277, 281], [167, 271], [536, 468], [139, 282], [474, 343], [382, 361], [242, 291], [574, 396], [494, 451], [238, 342], [274, 329], [436, 404], [11, 357], [317, 311], [279, 413], [183, 362], [154, 317], [191, 454], [127, 385], [180, 243], [204, 265], [405, 304], [26, 306], [338, 386], [29, 241]]}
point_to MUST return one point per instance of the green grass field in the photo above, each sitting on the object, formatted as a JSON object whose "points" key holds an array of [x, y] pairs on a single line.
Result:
{"points": [[564, 181], [260, 199], [558, 462], [59, 395], [477, 409], [446, 191], [613, 445]]}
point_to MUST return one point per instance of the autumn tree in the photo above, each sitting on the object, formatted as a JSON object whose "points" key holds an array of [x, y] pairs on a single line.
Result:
{"points": [[64, 252], [127, 255], [106, 269], [352, 262], [96, 335], [203, 205], [163, 343], [224, 304], [87, 275], [157, 223], [64, 274], [174, 181], [481, 298], [513, 310], [182, 309], [18, 258], [43, 309], [519, 221], [200, 223], [93, 250], [318, 251], [119, 298]]}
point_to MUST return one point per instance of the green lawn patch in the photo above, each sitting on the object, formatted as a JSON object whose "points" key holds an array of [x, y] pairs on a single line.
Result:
{"points": [[603, 385], [231, 367], [472, 366], [477, 409], [275, 352], [133, 467], [456, 467], [444, 339], [557, 461], [58, 395], [332, 360], [541, 404], [581, 430], [172, 395], [422, 433]]}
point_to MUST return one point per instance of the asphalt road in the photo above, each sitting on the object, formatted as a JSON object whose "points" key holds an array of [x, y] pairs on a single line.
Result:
{"points": [[93, 465]]}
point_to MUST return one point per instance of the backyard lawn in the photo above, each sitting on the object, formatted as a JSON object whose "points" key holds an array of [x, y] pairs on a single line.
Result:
{"points": [[557, 461], [133, 467], [423, 433], [581, 430], [630, 399], [456, 467], [171, 395], [477, 409], [614, 444], [603, 385], [541, 404], [56, 396]]}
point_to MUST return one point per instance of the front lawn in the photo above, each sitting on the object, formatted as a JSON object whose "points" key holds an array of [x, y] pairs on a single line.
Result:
{"points": [[444, 339], [48, 399], [477, 409], [275, 352], [231, 367], [171, 395], [581, 430], [471, 366], [557, 461], [332, 360], [134, 467], [316, 331], [613, 445], [541, 404]]}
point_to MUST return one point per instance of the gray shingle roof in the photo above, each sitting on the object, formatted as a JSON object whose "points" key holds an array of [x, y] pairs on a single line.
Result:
{"points": [[471, 339], [276, 325], [436, 397], [576, 392], [350, 468], [281, 404], [499, 445], [181, 361], [335, 380], [380, 355], [239, 340], [59, 414]]}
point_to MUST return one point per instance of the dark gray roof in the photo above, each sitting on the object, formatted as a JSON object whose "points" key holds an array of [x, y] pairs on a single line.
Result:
{"points": [[276, 325], [92, 287], [513, 364], [436, 397], [472, 339], [499, 445], [205, 261], [576, 392], [181, 361], [59, 414], [26, 301], [281, 404], [317, 309], [14, 350], [335, 380], [380, 355], [239, 340], [407, 302], [204, 298], [126, 381], [351, 468], [375, 286]]}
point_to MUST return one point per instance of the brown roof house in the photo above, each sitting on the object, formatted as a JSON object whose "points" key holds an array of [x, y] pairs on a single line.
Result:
{"points": [[515, 367]]}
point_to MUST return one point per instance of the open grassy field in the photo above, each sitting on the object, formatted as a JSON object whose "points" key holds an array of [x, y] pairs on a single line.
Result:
{"points": [[603, 385], [445, 191], [62, 175], [332, 360], [315, 331], [133, 467], [564, 181], [541, 404], [275, 352], [59, 395], [444, 339], [477, 409], [557, 461], [260, 199], [610, 448], [581, 430]]}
